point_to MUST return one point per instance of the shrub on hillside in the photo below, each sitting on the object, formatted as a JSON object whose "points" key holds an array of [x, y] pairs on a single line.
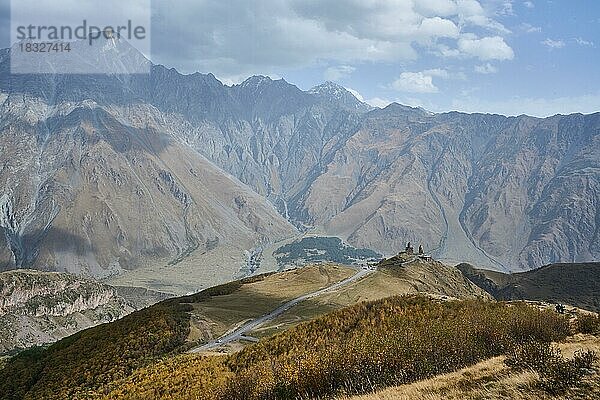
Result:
{"points": [[533, 355], [563, 374], [557, 374], [588, 323], [353, 350]]}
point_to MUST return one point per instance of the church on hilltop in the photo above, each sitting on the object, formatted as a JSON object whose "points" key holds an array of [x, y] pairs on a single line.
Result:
{"points": [[410, 251]]}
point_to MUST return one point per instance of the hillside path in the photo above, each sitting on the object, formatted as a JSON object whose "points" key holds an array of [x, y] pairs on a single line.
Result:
{"points": [[238, 333]]}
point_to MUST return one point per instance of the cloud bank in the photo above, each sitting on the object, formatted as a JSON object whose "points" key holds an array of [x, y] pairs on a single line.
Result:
{"points": [[238, 38]]}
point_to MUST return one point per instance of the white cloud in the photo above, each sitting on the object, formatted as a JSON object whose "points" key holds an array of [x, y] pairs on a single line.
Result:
{"points": [[471, 12], [499, 7], [437, 72], [486, 69], [487, 48], [355, 94], [529, 4], [243, 37], [468, 8], [483, 21], [415, 82], [445, 51], [444, 74], [554, 44], [382, 20], [422, 81], [583, 42], [441, 8], [338, 72], [436, 27], [530, 28], [507, 8], [240, 37]]}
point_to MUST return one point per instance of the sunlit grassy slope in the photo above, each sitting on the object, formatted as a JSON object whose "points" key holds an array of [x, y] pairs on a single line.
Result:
{"points": [[89, 360], [218, 314], [353, 350], [431, 278], [492, 379], [365, 342]]}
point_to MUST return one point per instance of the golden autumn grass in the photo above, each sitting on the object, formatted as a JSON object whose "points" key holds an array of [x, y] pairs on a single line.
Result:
{"points": [[354, 350], [254, 299], [83, 364], [358, 349], [492, 379], [431, 278]]}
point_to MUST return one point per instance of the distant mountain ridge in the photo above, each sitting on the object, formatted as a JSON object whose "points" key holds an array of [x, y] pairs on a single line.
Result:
{"points": [[508, 193], [335, 93], [573, 284]]}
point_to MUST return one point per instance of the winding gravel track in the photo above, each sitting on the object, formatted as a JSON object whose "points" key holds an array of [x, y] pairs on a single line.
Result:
{"points": [[238, 333]]}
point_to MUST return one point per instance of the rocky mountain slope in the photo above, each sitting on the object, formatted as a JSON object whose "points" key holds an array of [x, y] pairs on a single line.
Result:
{"points": [[506, 193], [39, 307], [102, 188], [137, 169], [510, 193]]}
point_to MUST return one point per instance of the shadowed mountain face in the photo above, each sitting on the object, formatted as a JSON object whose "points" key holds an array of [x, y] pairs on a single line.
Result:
{"points": [[573, 284], [136, 169]]}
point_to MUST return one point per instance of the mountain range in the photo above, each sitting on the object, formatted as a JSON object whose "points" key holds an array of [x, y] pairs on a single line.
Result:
{"points": [[181, 174]]}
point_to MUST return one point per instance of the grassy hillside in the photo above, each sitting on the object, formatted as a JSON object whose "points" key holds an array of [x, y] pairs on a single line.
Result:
{"points": [[357, 349], [376, 344], [574, 284], [214, 316], [493, 379], [90, 359], [431, 278]]}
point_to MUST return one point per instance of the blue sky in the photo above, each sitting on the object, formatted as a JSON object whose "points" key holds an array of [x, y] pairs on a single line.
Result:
{"points": [[503, 56]]}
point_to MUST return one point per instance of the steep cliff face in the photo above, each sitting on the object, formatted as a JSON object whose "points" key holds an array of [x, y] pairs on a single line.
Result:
{"points": [[38, 308]]}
